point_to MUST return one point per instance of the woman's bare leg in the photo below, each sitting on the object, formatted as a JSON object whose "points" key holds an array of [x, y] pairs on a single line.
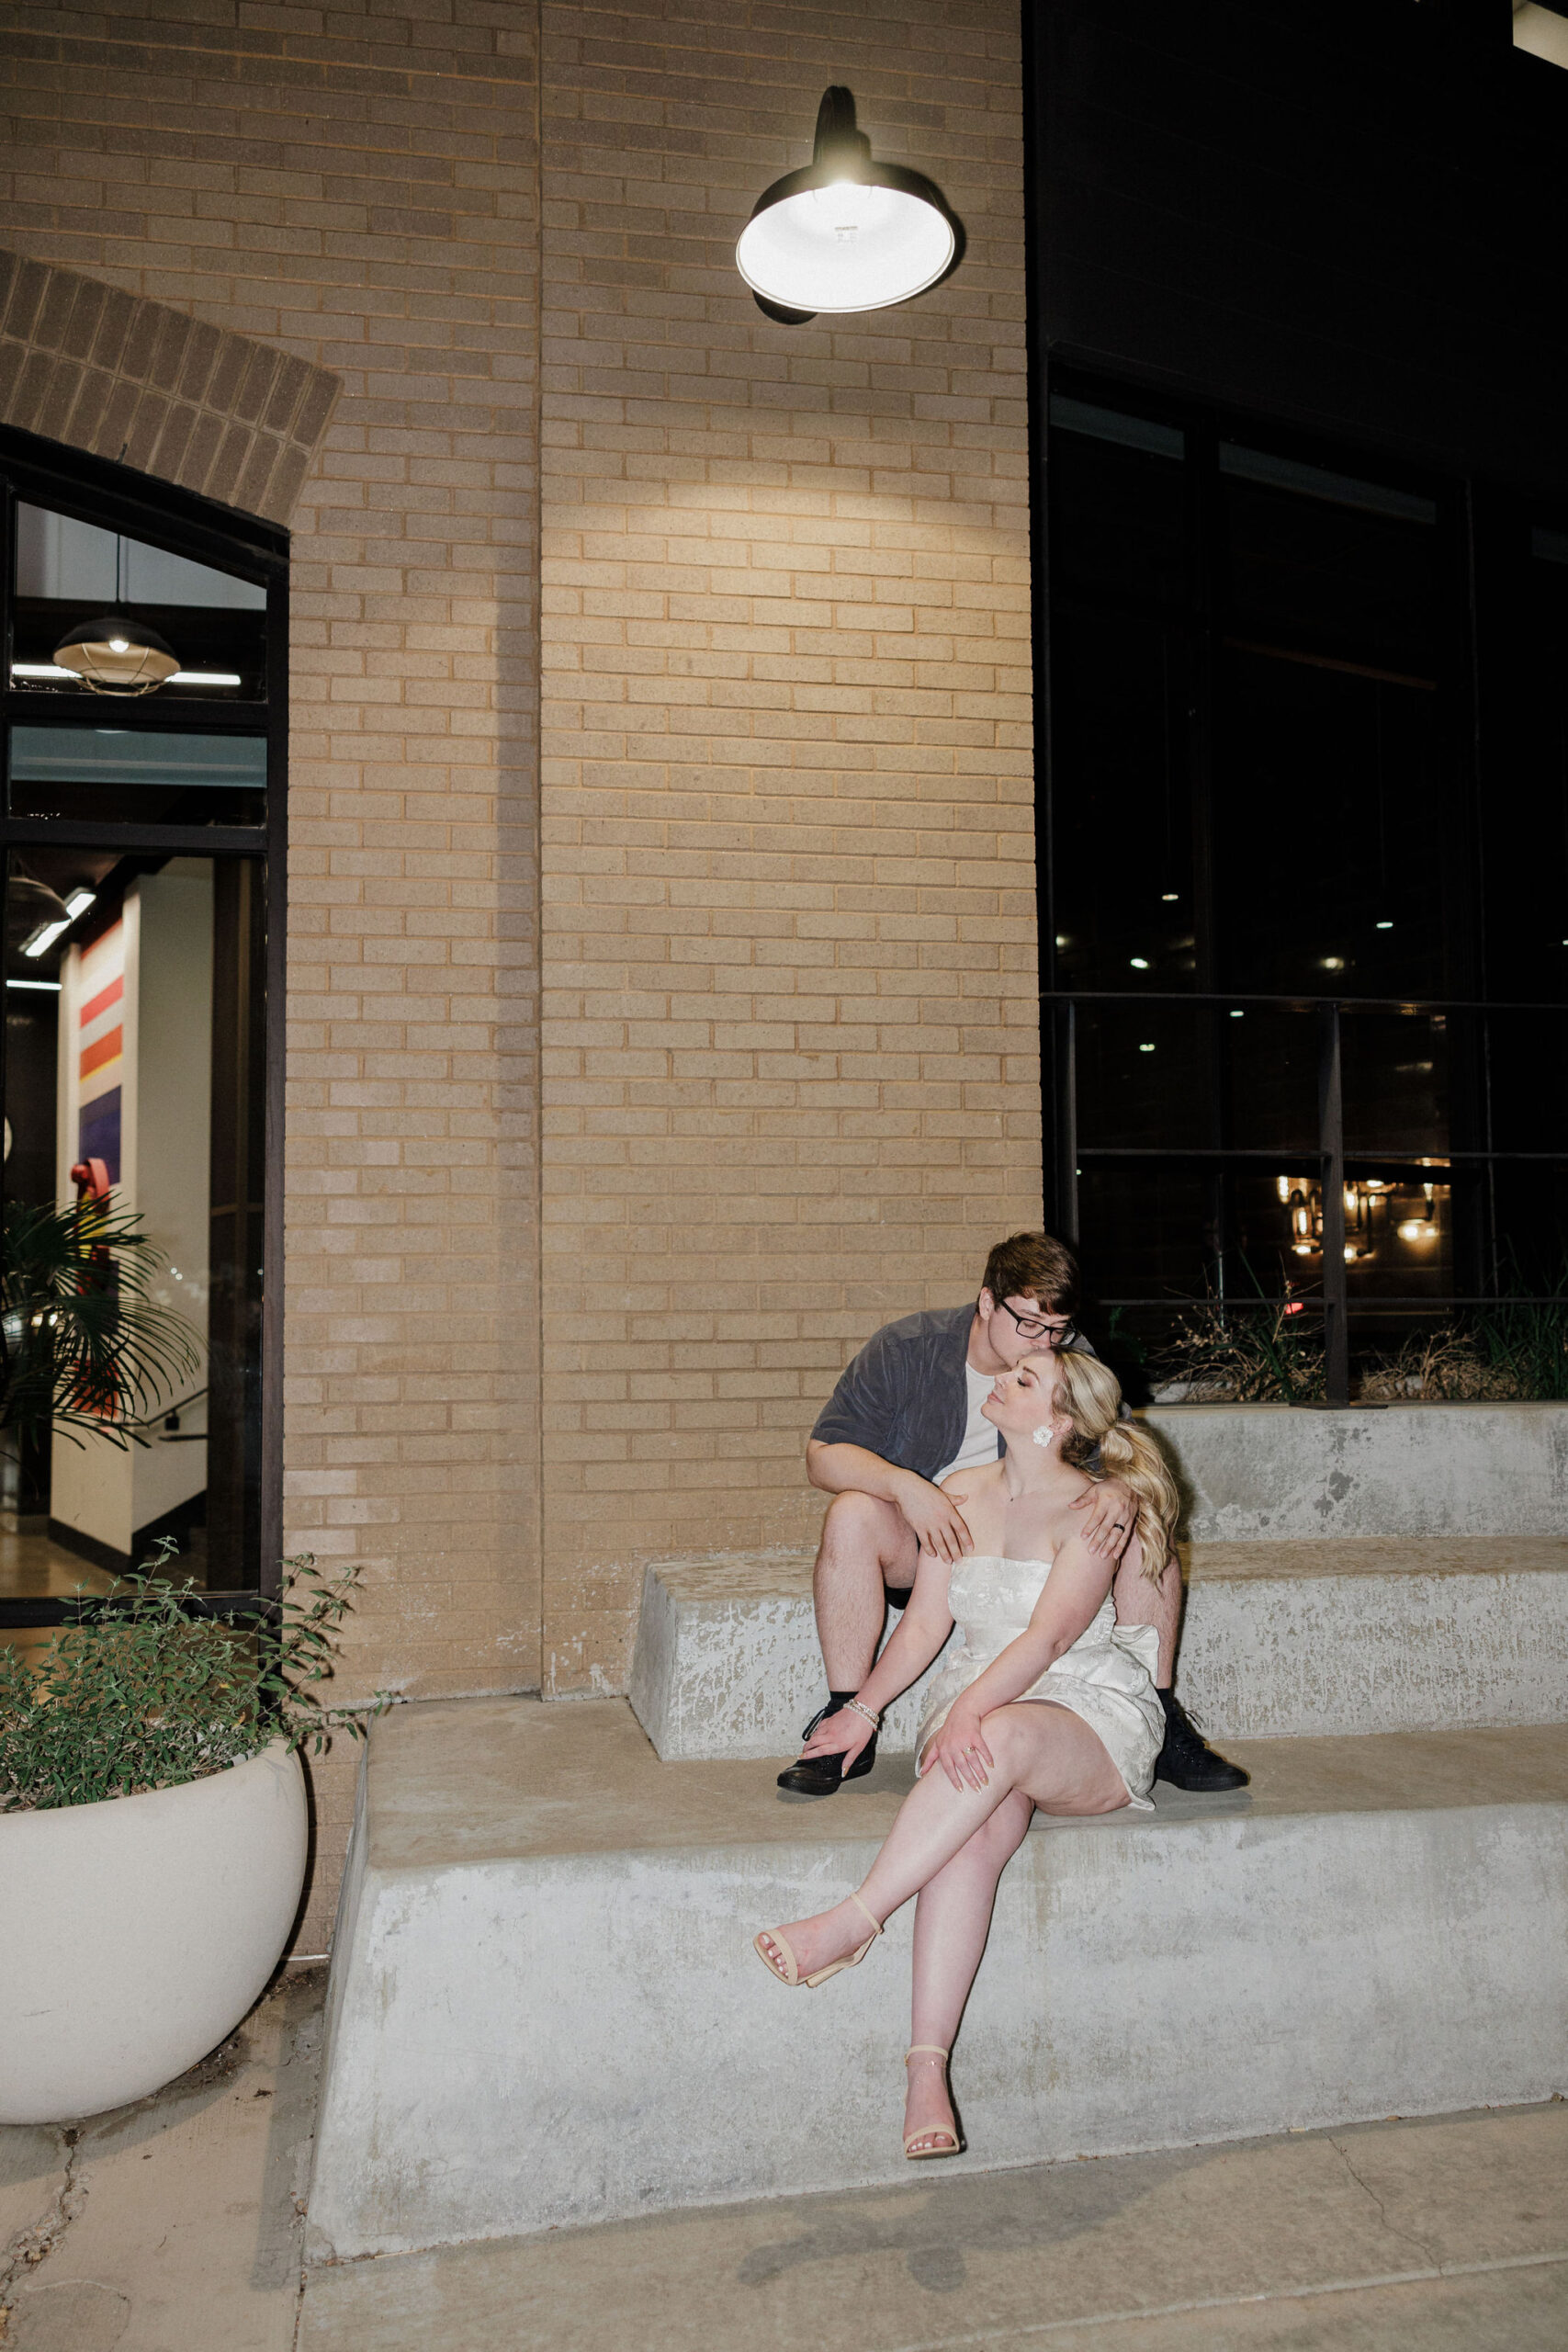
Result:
{"points": [[1046, 1750], [952, 1918]]}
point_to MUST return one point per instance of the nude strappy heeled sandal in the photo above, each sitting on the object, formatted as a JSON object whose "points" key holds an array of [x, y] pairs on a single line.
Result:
{"points": [[932, 2130], [790, 1974]]}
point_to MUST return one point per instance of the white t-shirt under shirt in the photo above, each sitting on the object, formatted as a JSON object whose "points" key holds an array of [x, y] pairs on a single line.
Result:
{"points": [[982, 1440]]}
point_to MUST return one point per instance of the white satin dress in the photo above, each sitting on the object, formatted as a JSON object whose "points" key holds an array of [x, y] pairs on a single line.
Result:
{"points": [[1107, 1677]]}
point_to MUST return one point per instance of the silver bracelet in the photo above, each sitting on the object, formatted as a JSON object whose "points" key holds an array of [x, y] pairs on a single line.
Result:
{"points": [[865, 1713]]}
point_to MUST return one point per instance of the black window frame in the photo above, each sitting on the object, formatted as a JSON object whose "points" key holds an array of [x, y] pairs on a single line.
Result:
{"points": [[113, 497]]}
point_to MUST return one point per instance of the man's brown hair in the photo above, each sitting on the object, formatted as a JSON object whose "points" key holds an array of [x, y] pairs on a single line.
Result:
{"points": [[1036, 1266]]}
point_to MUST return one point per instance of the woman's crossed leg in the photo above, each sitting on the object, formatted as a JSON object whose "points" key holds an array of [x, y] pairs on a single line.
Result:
{"points": [[950, 1847]]}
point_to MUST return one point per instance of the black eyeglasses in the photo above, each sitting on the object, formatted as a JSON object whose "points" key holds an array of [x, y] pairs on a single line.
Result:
{"points": [[1029, 1327]]}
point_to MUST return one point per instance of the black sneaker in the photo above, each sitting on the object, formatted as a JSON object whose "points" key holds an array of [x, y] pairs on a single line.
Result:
{"points": [[819, 1776], [1186, 1760]]}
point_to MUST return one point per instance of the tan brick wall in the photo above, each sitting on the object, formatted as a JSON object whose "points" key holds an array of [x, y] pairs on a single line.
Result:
{"points": [[790, 1027], [789, 1018], [358, 186], [149, 385]]}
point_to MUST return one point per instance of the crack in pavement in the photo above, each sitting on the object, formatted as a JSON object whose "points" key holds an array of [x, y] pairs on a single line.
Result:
{"points": [[30, 2247], [1394, 2228]]}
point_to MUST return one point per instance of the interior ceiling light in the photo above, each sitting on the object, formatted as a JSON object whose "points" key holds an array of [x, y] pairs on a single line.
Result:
{"points": [[115, 656], [34, 913], [845, 233]]}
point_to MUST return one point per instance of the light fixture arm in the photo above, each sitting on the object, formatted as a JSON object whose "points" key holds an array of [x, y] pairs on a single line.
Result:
{"points": [[840, 149]]}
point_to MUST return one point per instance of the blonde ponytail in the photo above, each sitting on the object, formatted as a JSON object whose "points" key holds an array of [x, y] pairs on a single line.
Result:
{"points": [[1092, 1395]]}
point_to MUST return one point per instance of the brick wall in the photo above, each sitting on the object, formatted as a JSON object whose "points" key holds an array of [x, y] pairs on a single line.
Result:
{"points": [[789, 1018], [789, 1029], [357, 187]]}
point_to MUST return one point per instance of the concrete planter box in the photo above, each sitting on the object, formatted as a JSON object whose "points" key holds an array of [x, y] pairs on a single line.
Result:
{"points": [[1251, 1472], [140, 1931]]}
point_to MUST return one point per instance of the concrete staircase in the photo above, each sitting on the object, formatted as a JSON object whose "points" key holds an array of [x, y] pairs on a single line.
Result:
{"points": [[545, 2009], [1284, 1640]]}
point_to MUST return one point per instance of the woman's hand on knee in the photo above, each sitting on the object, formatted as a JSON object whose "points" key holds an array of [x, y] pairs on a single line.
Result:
{"points": [[960, 1749]]}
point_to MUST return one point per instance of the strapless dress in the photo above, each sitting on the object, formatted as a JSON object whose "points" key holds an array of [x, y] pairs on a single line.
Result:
{"points": [[1107, 1677]]}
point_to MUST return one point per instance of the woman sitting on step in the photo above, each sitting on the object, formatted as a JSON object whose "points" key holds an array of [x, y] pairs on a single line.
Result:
{"points": [[1037, 1621]]}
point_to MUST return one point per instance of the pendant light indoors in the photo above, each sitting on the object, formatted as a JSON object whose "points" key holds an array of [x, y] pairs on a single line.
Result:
{"points": [[845, 233], [116, 655]]}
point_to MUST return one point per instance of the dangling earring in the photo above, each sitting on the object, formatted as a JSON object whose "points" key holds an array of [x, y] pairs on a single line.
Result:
{"points": [[1045, 1435]]}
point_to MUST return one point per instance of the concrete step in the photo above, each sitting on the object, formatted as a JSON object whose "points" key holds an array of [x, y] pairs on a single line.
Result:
{"points": [[1297, 1640], [544, 2008]]}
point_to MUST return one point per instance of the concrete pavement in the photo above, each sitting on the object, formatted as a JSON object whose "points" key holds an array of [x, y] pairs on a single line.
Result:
{"points": [[173, 2226], [1443, 2236]]}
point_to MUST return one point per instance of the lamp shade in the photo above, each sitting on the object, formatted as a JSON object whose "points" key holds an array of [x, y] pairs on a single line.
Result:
{"points": [[115, 655], [845, 233]]}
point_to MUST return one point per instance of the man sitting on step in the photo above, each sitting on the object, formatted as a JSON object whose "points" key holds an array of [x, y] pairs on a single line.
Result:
{"points": [[905, 1413]]}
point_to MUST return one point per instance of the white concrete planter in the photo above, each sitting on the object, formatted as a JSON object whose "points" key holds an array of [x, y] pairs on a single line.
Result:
{"points": [[139, 1932]]}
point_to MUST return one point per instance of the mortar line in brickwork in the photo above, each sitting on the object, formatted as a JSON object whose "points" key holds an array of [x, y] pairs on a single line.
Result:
{"points": [[538, 414]]}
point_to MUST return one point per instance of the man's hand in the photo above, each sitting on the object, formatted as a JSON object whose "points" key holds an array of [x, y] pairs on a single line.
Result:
{"points": [[936, 1521], [1110, 1517], [959, 1748]]}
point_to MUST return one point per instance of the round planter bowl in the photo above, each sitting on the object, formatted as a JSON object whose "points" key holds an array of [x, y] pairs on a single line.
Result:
{"points": [[139, 1932]]}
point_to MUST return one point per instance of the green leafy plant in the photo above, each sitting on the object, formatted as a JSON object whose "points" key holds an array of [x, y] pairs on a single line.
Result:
{"points": [[141, 1694], [84, 1347], [1525, 1339], [1224, 1350]]}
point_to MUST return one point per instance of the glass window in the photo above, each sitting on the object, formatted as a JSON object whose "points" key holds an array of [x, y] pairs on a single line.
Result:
{"points": [[116, 777], [135, 1032], [1318, 562], [1123, 733], [136, 1065], [1328, 831], [1119, 500], [1309, 747], [79, 585]]}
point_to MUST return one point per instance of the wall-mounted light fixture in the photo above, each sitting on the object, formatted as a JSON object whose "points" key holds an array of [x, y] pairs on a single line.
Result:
{"points": [[845, 233]]}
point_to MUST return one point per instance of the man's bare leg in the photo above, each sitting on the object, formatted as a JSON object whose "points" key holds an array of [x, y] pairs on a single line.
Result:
{"points": [[866, 1546], [1186, 1759], [1139, 1601]]}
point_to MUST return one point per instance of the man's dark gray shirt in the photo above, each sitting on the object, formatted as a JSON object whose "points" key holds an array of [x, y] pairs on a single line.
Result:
{"points": [[905, 1396]]}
